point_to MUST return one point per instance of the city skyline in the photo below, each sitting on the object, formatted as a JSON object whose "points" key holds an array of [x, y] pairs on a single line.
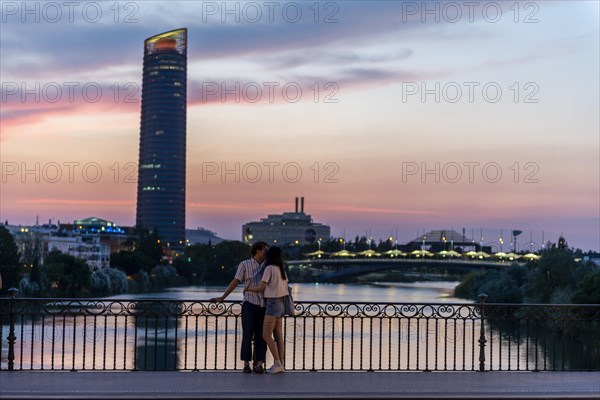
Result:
{"points": [[380, 136]]}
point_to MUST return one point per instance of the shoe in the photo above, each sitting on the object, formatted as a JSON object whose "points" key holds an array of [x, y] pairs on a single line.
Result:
{"points": [[259, 369], [247, 369], [275, 369]]}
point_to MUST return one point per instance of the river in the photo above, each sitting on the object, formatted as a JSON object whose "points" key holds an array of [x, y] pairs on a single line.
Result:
{"points": [[414, 292], [185, 335]]}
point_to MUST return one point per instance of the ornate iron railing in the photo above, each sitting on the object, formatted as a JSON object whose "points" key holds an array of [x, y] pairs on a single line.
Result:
{"points": [[87, 334]]}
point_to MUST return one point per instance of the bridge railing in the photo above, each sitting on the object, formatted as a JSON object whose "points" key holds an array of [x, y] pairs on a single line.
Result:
{"points": [[88, 334]]}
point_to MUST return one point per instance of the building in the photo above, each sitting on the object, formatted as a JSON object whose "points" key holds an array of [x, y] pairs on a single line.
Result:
{"points": [[162, 153], [289, 228], [97, 225], [85, 247], [34, 242], [116, 237], [201, 236]]}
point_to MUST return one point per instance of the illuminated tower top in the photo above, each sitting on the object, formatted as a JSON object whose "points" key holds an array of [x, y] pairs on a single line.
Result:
{"points": [[172, 41]]}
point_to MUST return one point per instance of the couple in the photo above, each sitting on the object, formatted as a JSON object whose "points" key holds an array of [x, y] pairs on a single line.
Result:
{"points": [[265, 286]]}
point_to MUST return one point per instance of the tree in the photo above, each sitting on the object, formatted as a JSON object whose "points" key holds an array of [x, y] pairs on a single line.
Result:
{"points": [[70, 276], [147, 253], [500, 286], [150, 246], [212, 264], [107, 281], [131, 262], [556, 270], [588, 291], [10, 267], [32, 251]]}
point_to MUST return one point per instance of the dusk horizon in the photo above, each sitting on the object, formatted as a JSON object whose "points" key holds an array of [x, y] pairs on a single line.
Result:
{"points": [[389, 121]]}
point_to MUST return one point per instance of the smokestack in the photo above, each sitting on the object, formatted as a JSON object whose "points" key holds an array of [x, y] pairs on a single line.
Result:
{"points": [[296, 204], [302, 204]]}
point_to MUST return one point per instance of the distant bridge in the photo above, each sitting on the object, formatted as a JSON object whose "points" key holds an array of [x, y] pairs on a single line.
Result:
{"points": [[337, 269]]}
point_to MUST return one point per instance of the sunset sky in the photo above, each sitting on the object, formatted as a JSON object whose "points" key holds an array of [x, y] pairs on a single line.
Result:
{"points": [[498, 104]]}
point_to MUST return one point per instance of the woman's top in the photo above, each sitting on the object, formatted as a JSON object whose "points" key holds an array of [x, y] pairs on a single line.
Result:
{"points": [[276, 286]]}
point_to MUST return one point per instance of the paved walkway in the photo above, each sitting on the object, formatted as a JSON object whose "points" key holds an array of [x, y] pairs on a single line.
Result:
{"points": [[296, 385]]}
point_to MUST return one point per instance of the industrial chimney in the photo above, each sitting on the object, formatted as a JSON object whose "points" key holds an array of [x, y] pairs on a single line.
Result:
{"points": [[296, 204], [302, 204]]}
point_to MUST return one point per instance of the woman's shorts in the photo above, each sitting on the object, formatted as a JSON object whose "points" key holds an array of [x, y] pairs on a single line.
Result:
{"points": [[275, 307]]}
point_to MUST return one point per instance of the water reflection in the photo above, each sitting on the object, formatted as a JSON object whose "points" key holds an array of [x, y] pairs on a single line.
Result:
{"points": [[186, 335]]}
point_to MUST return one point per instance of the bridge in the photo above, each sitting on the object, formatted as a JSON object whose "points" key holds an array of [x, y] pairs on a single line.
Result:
{"points": [[333, 269], [32, 385], [333, 350]]}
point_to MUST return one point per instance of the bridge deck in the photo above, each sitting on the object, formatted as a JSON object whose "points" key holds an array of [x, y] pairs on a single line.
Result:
{"points": [[224, 385]]}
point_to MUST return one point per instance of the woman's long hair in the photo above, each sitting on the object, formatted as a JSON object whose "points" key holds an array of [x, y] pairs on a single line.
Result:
{"points": [[275, 257]]}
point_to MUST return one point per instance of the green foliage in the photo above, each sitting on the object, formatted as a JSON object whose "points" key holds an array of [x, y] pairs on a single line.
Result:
{"points": [[32, 252], [147, 254], [10, 268], [139, 283], [70, 276], [466, 288], [107, 281], [556, 270], [150, 246], [131, 262], [588, 291], [29, 288], [163, 276], [556, 278], [499, 286], [211, 264]]}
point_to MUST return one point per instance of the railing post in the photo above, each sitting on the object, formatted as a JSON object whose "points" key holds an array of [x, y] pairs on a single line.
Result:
{"points": [[11, 332], [482, 298]]}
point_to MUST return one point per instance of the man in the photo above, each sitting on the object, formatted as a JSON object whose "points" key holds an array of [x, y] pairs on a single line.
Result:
{"points": [[253, 308]]}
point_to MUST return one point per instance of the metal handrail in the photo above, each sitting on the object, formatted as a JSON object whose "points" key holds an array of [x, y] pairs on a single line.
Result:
{"points": [[150, 334]]}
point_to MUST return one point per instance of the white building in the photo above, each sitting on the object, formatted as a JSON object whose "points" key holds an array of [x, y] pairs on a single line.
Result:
{"points": [[41, 239], [87, 248], [289, 228]]}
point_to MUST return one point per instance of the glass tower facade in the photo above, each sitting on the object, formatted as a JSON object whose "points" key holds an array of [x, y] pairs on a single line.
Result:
{"points": [[162, 157]]}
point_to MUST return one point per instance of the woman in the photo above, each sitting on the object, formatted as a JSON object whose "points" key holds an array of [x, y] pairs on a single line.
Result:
{"points": [[274, 283]]}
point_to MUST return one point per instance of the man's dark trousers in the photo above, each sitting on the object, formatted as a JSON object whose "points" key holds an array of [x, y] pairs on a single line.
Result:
{"points": [[252, 327]]}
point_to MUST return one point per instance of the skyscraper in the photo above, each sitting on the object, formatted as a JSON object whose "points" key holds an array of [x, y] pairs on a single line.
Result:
{"points": [[161, 174]]}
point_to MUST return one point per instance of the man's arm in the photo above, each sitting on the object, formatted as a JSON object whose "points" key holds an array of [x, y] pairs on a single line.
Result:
{"points": [[261, 287], [232, 285]]}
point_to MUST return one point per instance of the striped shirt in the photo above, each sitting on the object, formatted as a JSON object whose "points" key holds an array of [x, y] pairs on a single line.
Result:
{"points": [[249, 273]]}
